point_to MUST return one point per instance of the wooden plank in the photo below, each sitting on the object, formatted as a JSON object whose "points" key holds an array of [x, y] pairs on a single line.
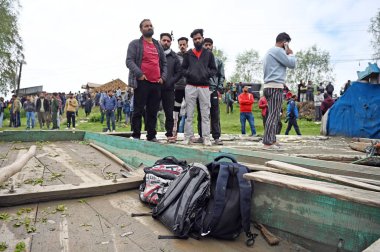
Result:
{"points": [[68, 191], [293, 169], [200, 154], [332, 190], [260, 157], [41, 135], [332, 157], [313, 220], [112, 156], [78, 228], [375, 247], [13, 234], [257, 167], [117, 209]]}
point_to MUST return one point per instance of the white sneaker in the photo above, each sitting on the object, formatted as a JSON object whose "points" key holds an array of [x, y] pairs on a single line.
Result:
{"points": [[186, 141], [206, 141], [73, 128], [113, 131], [108, 131]]}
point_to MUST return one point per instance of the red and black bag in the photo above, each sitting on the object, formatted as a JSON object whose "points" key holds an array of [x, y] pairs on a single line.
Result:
{"points": [[158, 178]]}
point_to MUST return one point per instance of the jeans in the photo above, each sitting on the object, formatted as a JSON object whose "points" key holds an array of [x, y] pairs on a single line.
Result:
{"points": [[110, 116], [181, 127], [30, 120], [293, 122], [249, 117], [1, 119]]}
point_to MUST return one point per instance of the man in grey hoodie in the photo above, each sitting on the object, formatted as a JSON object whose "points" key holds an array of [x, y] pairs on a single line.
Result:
{"points": [[277, 59]]}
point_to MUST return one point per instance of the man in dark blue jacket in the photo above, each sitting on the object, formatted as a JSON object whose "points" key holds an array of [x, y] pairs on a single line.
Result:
{"points": [[198, 67], [108, 106], [167, 90], [146, 62]]}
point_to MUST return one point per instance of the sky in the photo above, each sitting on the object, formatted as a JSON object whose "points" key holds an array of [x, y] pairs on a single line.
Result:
{"points": [[70, 43]]}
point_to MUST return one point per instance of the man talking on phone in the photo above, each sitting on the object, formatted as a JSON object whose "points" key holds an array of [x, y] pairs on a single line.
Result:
{"points": [[277, 59]]}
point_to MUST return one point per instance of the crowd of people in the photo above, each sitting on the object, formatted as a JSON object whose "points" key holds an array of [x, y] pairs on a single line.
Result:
{"points": [[169, 85]]}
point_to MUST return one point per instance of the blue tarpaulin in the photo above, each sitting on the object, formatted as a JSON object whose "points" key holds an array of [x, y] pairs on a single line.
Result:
{"points": [[356, 113]]}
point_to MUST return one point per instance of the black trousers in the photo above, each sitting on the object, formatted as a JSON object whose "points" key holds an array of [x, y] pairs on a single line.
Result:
{"points": [[167, 98], [214, 114], [147, 95], [119, 117], [179, 95], [293, 122], [70, 119]]}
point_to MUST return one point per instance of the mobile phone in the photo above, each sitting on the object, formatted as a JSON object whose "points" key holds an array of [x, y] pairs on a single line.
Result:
{"points": [[286, 45]]}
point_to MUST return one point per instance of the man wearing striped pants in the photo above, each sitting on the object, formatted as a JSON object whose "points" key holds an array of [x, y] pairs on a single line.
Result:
{"points": [[277, 59]]}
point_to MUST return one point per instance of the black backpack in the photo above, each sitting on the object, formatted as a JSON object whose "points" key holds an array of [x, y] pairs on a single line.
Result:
{"points": [[183, 201], [228, 211], [158, 178]]}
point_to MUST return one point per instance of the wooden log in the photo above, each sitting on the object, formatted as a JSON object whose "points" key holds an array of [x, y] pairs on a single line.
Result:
{"points": [[359, 146], [268, 236], [320, 175], [375, 247], [327, 157], [112, 156], [257, 167], [318, 187], [10, 170], [68, 191]]}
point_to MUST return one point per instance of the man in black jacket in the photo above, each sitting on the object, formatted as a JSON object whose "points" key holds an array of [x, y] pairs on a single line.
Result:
{"points": [[198, 67], [179, 86], [167, 89], [146, 62], [216, 86], [43, 109]]}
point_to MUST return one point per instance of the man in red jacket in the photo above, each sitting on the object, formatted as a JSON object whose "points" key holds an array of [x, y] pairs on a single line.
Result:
{"points": [[246, 101], [263, 105]]}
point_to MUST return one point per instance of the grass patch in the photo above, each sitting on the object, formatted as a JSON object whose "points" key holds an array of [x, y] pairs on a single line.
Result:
{"points": [[230, 123]]}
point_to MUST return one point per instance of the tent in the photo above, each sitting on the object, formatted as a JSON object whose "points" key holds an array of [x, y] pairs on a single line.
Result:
{"points": [[356, 113]]}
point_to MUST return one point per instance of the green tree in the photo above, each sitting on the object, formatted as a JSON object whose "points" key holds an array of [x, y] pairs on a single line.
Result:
{"points": [[10, 44], [374, 29], [312, 64], [248, 67], [219, 53]]}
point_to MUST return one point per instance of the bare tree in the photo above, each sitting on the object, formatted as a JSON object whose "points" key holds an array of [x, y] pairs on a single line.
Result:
{"points": [[374, 29]]}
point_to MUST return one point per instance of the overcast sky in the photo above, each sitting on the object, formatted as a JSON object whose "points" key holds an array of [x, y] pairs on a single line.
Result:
{"points": [[69, 43]]}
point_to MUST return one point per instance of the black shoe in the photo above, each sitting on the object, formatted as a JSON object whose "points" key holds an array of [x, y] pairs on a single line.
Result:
{"points": [[153, 140], [218, 142]]}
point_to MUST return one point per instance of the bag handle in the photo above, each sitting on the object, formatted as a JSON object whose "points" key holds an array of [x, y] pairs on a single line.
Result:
{"points": [[227, 157]]}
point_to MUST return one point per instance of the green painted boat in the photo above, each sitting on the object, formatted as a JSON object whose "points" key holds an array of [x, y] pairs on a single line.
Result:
{"points": [[318, 215]]}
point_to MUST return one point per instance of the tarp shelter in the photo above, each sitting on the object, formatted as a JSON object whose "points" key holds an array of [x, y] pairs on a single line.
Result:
{"points": [[356, 113]]}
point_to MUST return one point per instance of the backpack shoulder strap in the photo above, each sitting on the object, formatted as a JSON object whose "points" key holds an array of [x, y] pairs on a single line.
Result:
{"points": [[245, 188], [220, 193]]}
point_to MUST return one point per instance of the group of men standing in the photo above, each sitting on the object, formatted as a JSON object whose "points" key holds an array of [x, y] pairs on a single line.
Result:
{"points": [[157, 74]]}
